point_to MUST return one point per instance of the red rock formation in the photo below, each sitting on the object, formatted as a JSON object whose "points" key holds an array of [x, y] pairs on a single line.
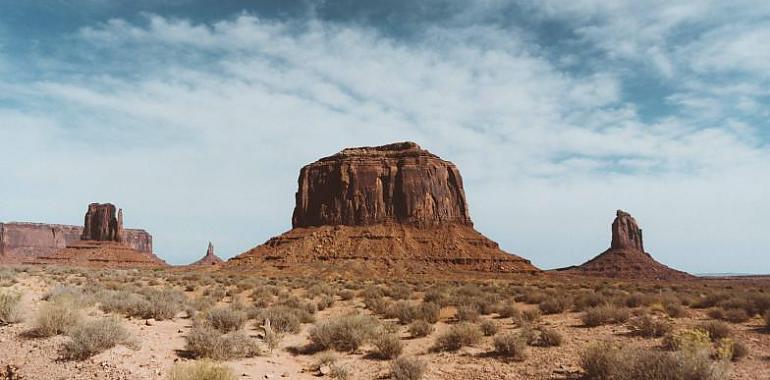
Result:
{"points": [[210, 259], [626, 257], [102, 254], [381, 210], [101, 224]]}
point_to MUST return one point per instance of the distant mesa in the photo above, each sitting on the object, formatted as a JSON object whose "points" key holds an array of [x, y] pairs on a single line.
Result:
{"points": [[384, 209], [103, 243], [209, 259], [626, 257]]}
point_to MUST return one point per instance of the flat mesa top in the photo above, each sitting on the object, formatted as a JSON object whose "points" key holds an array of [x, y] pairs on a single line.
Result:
{"points": [[394, 150]]}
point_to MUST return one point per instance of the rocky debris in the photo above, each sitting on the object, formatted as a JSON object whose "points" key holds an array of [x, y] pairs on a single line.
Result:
{"points": [[26, 241], [101, 223], [398, 183], [379, 210], [626, 257], [210, 259]]}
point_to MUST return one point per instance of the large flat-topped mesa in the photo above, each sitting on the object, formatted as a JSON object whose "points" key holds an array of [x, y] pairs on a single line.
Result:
{"points": [[396, 183], [377, 211], [626, 257]]}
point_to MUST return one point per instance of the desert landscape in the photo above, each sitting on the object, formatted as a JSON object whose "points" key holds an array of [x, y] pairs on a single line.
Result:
{"points": [[382, 276]]}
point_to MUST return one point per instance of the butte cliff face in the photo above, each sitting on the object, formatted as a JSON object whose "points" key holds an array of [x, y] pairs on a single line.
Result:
{"points": [[101, 223], [380, 210], [626, 257]]}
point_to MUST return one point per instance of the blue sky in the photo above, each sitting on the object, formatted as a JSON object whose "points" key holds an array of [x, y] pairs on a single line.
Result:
{"points": [[195, 117]]}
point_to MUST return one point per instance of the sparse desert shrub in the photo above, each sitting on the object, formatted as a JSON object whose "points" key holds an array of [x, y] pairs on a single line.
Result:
{"points": [[420, 328], [207, 342], [399, 292], [649, 327], [674, 310], [344, 333], [528, 316], [512, 346], [403, 311], [407, 368], [324, 359], [201, 370], [603, 315], [767, 320], [716, 313], [225, 318], [283, 319], [379, 306], [489, 328], [739, 351], [92, 337], [347, 295], [437, 297], [458, 336], [736, 315], [161, 304], [325, 302], [387, 345], [339, 372], [271, 337], [688, 340], [716, 329], [588, 300], [9, 307], [508, 310], [555, 305], [605, 361], [56, 317], [544, 337], [429, 312], [467, 313]]}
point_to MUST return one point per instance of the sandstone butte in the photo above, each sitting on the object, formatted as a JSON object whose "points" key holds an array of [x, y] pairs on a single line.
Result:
{"points": [[626, 257], [381, 210], [209, 259], [103, 243]]}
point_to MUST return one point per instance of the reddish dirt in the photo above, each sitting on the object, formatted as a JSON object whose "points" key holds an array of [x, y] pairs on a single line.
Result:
{"points": [[101, 254]]}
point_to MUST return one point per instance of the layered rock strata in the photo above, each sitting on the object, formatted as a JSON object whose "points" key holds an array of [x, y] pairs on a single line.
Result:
{"points": [[209, 259]]}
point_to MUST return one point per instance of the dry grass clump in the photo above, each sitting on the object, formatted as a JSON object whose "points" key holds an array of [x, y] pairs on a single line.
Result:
{"points": [[555, 305], [283, 319], [9, 307], [346, 295], [158, 304], [387, 345], [605, 361], [489, 328], [420, 328], [207, 342], [458, 336], [201, 370], [649, 327], [508, 310], [716, 329], [326, 301], [604, 315], [543, 337], [56, 317], [674, 310], [512, 346], [345, 333], [92, 337], [407, 368], [225, 318], [467, 313], [7, 278]]}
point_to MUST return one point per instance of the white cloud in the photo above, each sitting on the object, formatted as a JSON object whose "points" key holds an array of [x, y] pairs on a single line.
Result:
{"points": [[204, 140]]}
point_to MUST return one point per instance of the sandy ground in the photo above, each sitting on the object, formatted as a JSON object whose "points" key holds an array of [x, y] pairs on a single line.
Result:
{"points": [[162, 344]]}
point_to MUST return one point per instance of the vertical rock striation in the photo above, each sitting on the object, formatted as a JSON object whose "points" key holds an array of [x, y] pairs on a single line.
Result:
{"points": [[101, 224]]}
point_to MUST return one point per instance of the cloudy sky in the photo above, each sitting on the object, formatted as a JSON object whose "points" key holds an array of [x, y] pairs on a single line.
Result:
{"points": [[195, 118]]}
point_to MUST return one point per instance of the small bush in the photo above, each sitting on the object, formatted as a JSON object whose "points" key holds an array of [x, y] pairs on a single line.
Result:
{"points": [[428, 312], [226, 318], [716, 329], [201, 370], [458, 336], [467, 313], [512, 346], [347, 295], [555, 305], [283, 319], [387, 345], [508, 310], [489, 328], [56, 317], [674, 310], [9, 307], [603, 315], [688, 340], [420, 328], [325, 302], [767, 320], [90, 338], [649, 327], [405, 368], [736, 315], [544, 337], [529, 316], [207, 342], [345, 333]]}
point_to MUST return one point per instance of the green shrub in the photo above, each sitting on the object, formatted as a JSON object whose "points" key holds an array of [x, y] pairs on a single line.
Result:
{"points": [[458, 336], [420, 328], [688, 340], [603, 315], [56, 317], [92, 337], [226, 318], [345, 333], [9, 307], [387, 345], [207, 342], [406, 368], [512, 346], [201, 370], [716, 329]]}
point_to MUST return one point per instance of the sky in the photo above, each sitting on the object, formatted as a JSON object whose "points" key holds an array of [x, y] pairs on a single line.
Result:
{"points": [[195, 116]]}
